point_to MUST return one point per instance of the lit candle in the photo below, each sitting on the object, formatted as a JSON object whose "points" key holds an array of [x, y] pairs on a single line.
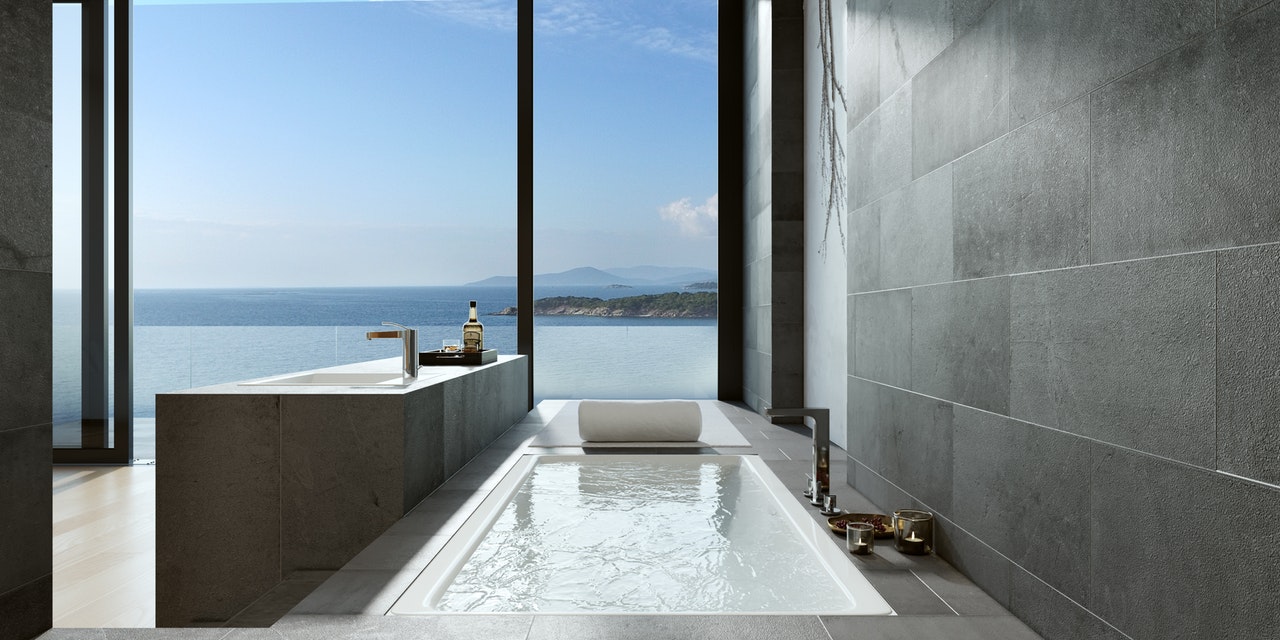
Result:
{"points": [[911, 537]]}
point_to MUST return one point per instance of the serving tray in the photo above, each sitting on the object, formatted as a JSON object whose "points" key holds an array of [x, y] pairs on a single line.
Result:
{"points": [[437, 358], [884, 524]]}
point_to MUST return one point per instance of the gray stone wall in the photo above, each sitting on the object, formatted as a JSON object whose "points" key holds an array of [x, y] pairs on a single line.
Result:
{"points": [[26, 282], [757, 228], [1064, 302], [773, 281]]}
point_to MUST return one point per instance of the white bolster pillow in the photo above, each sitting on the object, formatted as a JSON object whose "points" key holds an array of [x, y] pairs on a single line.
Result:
{"points": [[639, 420]]}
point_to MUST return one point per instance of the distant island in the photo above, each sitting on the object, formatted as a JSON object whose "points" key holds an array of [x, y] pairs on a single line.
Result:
{"points": [[663, 305], [710, 285], [644, 276]]}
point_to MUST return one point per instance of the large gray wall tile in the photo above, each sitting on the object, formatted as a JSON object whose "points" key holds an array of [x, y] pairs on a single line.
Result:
{"points": [[864, 248], [960, 342], [961, 99], [26, 60], [1053, 615], [199, 437], [1022, 202], [1024, 490], [1180, 552], [26, 375], [26, 238], [913, 439], [863, 60], [1248, 362], [1062, 50], [1229, 10], [974, 558], [912, 33], [967, 13], [880, 149], [882, 337], [1123, 353], [27, 608], [863, 424], [335, 463], [26, 544], [916, 232], [1184, 155]]}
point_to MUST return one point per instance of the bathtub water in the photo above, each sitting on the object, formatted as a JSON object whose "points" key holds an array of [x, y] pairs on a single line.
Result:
{"points": [[641, 534]]}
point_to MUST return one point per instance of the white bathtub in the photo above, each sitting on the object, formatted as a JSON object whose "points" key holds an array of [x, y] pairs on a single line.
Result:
{"points": [[669, 534]]}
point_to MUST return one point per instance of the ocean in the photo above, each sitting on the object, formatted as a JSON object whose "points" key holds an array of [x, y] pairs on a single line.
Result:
{"points": [[197, 337]]}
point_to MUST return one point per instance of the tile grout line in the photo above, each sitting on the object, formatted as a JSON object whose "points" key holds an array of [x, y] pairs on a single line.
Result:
{"points": [[926, 585]]}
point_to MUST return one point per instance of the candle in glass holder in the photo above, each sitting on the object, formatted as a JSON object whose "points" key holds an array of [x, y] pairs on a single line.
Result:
{"points": [[860, 537], [913, 531]]}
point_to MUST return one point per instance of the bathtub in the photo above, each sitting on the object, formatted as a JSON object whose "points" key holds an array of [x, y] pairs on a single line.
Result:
{"points": [[636, 534]]}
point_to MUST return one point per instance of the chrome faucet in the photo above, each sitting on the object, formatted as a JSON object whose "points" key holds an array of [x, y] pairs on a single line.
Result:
{"points": [[410, 337], [821, 447]]}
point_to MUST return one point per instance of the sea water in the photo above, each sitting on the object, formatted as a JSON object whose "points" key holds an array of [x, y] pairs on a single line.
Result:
{"points": [[194, 338]]}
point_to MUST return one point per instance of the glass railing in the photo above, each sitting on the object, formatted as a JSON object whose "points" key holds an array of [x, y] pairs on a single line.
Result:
{"points": [[659, 358]]}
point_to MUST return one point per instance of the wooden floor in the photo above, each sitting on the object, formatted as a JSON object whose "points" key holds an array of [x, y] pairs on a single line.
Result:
{"points": [[104, 546]]}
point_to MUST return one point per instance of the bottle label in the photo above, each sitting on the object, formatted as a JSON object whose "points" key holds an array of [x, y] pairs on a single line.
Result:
{"points": [[471, 340]]}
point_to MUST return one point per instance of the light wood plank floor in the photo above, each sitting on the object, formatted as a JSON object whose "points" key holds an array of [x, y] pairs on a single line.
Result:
{"points": [[104, 546]]}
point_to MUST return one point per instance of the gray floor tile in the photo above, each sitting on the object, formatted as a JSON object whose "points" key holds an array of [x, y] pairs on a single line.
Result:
{"points": [[134, 634], [928, 627], [963, 596], [393, 552], [623, 627], [357, 592], [468, 627], [906, 593]]}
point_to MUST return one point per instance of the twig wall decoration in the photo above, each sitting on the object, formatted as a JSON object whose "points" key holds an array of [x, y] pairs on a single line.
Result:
{"points": [[829, 143]]}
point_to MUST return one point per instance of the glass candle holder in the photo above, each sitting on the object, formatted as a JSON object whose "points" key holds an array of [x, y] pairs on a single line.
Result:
{"points": [[860, 537], [913, 531]]}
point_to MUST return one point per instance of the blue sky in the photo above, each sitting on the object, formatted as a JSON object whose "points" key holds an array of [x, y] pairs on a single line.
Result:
{"points": [[348, 144]]}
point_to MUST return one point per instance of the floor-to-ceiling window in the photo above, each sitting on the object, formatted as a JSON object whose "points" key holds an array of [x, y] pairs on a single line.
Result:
{"points": [[305, 171], [625, 199], [67, 289], [90, 274]]}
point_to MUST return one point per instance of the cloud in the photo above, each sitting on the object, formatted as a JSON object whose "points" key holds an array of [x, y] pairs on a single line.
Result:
{"points": [[690, 45], [664, 28], [489, 14], [699, 220]]}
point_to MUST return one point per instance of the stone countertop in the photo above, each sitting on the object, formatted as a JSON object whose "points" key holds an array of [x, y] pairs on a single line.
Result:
{"points": [[427, 377]]}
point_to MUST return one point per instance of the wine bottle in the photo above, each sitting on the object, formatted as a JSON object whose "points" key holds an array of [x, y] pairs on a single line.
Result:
{"points": [[472, 333]]}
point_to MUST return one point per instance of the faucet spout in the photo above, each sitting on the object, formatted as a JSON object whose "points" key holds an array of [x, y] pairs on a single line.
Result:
{"points": [[410, 338], [821, 446]]}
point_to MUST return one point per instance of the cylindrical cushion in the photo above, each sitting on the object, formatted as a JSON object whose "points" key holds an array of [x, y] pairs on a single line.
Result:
{"points": [[639, 420]]}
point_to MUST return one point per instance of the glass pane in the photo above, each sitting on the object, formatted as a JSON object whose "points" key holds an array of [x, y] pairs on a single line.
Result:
{"points": [[625, 200], [306, 171], [66, 225]]}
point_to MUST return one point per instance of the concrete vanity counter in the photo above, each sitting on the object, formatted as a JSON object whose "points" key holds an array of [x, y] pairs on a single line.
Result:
{"points": [[256, 483]]}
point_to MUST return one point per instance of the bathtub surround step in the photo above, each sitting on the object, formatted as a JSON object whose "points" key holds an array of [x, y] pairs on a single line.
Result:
{"points": [[262, 482]]}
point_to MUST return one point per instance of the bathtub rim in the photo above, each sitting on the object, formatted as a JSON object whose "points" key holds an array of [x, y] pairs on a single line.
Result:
{"points": [[438, 575]]}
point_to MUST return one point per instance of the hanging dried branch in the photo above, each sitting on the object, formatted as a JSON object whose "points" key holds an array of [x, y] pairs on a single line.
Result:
{"points": [[831, 148]]}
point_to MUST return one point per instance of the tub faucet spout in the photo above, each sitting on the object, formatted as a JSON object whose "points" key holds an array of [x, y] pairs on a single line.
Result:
{"points": [[410, 338], [821, 447]]}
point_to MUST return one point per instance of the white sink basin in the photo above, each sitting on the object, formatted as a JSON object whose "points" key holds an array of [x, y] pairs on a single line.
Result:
{"points": [[337, 379]]}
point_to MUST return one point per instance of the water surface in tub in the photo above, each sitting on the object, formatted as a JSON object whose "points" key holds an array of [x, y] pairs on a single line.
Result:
{"points": [[641, 534]]}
